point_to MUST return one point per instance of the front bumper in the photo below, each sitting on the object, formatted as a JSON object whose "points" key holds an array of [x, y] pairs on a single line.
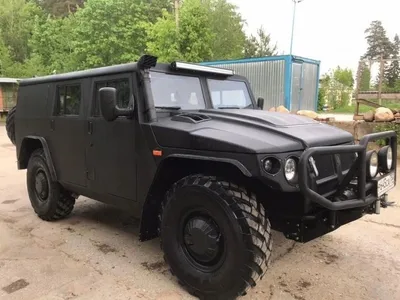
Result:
{"points": [[355, 179]]}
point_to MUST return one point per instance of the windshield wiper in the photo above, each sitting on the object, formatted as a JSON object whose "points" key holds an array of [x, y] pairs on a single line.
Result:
{"points": [[169, 107], [229, 107]]}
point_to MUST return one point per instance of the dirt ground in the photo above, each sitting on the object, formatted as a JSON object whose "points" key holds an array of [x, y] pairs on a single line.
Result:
{"points": [[96, 254]]}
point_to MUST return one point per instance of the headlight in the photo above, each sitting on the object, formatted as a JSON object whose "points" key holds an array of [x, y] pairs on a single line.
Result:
{"points": [[291, 170], [271, 165], [385, 158], [372, 164]]}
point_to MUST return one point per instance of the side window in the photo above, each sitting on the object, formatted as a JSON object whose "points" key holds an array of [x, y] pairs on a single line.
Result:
{"points": [[123, 93], [68, 100]]}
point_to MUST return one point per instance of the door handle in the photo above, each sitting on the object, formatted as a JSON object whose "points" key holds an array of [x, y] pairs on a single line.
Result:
{"points": [[52, 127], [90, 127]]}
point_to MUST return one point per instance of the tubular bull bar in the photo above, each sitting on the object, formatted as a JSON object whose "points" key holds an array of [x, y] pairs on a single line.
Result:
{"points": [[358, 169]]}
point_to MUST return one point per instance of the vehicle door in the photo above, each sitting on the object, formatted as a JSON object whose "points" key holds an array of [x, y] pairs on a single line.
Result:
{"points": [[67, 133], [111, 160]]}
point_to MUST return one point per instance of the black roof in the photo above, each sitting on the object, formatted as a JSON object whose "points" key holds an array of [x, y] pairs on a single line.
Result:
{"points": [[95, 72], [115, 69]]}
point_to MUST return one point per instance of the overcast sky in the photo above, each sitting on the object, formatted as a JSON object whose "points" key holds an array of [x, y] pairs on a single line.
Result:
{"points": [[331, 31]]}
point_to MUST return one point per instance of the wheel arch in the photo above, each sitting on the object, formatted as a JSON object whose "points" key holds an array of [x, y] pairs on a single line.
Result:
{"points": [[175, 167], [28, 145]]}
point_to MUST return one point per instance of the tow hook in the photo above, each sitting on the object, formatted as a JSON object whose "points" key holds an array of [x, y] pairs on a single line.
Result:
{"points": [[384, 201]]}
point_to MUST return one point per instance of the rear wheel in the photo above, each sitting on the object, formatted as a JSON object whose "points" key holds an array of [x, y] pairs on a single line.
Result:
{"points": [[49, 200], [10, 124], [215, 237]]}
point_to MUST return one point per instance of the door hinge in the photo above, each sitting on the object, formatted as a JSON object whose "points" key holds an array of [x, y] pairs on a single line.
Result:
{"points": [[90, 127]]}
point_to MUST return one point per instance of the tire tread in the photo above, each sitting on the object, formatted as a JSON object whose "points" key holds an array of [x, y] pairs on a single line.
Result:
{"points": [[250, 213], [65, 203]]}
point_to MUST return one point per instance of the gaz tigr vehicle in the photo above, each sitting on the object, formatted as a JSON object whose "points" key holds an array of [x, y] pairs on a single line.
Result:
{"points": [[187, 149]]}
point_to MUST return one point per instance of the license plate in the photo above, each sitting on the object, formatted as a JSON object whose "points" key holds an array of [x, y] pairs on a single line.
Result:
{"points": [[385, 184]]}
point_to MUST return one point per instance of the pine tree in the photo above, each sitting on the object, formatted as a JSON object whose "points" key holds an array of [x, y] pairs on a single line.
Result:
{"points": [[365, 76], [378, 42], [392, 72]]}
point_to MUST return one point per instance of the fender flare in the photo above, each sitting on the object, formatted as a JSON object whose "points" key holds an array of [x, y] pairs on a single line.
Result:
{"points": [[148, 227], [46, 150]]}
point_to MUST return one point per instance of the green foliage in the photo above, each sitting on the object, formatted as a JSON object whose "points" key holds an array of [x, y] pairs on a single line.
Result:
{"points": [[259, 45], [392, 72], [155, 8], [195, 33], [227, 27], [163, 39], [40, 37], [109, 32], [207, 30], [52, 41], [321, 99], [388, 126], [365, 76], [378, 42], [60, 8], [5, 59], [16, 25], [337, 86], [344, 76]]}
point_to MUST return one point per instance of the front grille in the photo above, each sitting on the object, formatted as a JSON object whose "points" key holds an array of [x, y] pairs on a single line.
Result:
{"points": [[327, 179]]}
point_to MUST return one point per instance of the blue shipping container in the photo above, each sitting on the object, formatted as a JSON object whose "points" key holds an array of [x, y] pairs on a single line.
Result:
{"points": [[286, 80]]}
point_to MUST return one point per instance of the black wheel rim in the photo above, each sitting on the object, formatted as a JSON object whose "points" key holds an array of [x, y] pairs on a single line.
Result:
{"points": [[41, 185], [202, 240]]}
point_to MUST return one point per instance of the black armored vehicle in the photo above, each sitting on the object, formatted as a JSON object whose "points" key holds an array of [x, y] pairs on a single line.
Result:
{"points": [[187, 149]]}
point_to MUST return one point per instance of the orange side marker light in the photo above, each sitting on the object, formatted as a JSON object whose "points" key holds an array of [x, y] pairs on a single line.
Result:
{"points": [[157, 152]]}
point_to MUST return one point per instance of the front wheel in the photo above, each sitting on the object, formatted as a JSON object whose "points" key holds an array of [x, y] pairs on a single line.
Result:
{"points": [[215, 237]]}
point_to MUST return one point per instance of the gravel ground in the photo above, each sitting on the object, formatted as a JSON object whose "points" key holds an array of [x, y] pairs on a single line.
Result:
{"points": [[95, 254], [338, 117]]}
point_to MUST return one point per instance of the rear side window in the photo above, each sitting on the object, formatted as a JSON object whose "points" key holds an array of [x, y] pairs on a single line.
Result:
{"points": [[123, 93], [68, 100]]}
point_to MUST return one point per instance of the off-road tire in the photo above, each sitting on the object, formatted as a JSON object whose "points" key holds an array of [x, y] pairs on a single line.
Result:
{"points": [[59, 203], [248, 238], [10, 124]]}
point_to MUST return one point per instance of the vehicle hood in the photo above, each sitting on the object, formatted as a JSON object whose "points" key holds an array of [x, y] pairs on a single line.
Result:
{"points": [[244, 131]]}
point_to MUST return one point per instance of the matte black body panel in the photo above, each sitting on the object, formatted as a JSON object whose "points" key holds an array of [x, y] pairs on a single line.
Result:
{"points": [[248, 131], [113, 162]]}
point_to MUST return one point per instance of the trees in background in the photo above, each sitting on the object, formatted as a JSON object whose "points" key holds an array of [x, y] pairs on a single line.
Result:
{"points": [[392, 72], [380, 46], [40, 37], [60, 8], [336, 88], [259, 45]]}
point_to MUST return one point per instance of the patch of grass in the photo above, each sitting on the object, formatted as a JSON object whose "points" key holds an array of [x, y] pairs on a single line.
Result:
{"points": [[363, 108]]}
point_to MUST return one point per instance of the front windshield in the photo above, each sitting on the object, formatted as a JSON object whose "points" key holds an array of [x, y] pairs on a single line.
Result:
{"points": [[229, 93], [182, 92]]}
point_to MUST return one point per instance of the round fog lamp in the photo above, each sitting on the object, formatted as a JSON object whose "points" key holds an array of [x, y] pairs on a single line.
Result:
{"points": [[372, 163], [385, 158], [290, 169], [268, 165], [389, 158]]}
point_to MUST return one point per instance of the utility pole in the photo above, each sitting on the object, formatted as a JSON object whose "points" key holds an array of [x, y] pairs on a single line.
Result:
{"points": [[177, 14], [380, 80], [293, 21]]}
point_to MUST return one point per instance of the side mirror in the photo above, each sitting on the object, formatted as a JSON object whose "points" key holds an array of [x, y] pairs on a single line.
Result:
{"points": [[108, 105], [260, 103]]}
